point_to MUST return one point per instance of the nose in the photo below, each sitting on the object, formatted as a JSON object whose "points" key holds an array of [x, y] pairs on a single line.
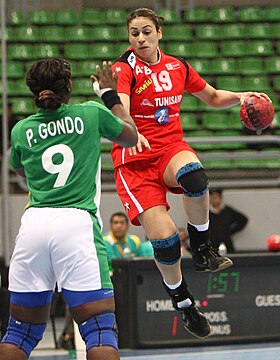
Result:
{"points": [[141, 39]]}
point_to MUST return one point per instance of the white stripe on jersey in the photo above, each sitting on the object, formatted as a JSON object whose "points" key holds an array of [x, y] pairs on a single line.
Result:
{"points": [[132, 197]]}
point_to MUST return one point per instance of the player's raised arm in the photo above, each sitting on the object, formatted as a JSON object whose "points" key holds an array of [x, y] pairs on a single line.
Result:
{"points": [[105, 87]]}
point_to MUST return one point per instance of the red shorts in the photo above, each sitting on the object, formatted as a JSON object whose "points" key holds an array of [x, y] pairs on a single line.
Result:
{"points": [[140, 184]]}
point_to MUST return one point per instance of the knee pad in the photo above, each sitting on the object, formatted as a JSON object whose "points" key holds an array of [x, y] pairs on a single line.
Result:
{"points": [[192, 179], [167, 251], [100, 330], [25, 336]]}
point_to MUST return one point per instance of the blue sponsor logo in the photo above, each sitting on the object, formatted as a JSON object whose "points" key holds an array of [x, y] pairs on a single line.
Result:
{"points": [[161, 115]]}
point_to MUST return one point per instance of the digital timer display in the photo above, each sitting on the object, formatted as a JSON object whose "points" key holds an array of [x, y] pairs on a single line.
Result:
{"points": [[223, 283]]}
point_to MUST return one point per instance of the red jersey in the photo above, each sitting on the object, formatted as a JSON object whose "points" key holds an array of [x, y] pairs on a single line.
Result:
{"points": [[156, 92]]}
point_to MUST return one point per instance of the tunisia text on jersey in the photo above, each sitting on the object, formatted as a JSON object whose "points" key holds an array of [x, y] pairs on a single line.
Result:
{"points": [[60, 153], [156, 92]]}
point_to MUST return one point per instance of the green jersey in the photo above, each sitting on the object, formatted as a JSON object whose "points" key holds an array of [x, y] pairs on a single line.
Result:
{"points": [[60, 153]]}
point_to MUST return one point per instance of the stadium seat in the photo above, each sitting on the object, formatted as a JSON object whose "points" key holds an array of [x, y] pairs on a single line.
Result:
{"points": [[232, 83], [115, 16], [274, 31], [215, 120], [272, 65], [43, 51], [217, 164], [66, 17], [222, 14], [224, 66], [258, 31], [230, 145], [259, 48], [179, 49], [204, 49], [188, 121], [21, 52], [272, 13], [104, 51], [247, 163], [74, 100], [177, 33], [82, 86], [250, 65], [202, 66], [16, 18], [276, 83], [27, 34], [233, 31], [170, 15], [18, 88], [121, 33], [103, 33], [83, 68], [78, 33], [23, 106], [54, 34], [76, 51], [278, 47], [251, 14], [235, 48], [234, 121], [208, 32], [15, 70], [189, 103], [197, 15], [255, 83], [41, 17], [92, 16]]}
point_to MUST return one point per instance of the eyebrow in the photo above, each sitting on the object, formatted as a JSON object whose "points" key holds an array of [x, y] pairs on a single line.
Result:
{"points": [[136, 28]]}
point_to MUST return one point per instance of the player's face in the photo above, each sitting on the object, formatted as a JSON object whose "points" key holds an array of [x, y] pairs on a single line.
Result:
{"points": [[119, 226], [144, 38]]}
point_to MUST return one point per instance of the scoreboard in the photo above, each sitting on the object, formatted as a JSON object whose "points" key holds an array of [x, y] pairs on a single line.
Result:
{"points": [[242, 303]]}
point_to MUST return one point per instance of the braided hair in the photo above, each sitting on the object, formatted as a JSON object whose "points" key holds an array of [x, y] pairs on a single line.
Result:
{"points": [[144, 12], [49, 80]]}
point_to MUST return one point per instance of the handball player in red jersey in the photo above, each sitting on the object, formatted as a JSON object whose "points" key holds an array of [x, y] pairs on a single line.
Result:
{"points": [[151, 85]]}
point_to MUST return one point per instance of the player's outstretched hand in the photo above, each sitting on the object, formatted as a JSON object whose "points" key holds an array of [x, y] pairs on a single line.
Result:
{"points": [[245, 95], [141, 141], [106, 79]]}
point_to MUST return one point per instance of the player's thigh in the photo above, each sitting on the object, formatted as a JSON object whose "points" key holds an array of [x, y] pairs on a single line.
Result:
{"points": [[177, 162], [28, 314], [157, 223]]}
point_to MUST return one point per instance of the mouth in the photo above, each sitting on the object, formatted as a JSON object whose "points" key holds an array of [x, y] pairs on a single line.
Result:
{"points": [[143, 47]]}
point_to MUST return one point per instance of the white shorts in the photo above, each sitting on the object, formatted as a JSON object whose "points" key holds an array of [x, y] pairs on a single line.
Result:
{"points": [[62, 245]]}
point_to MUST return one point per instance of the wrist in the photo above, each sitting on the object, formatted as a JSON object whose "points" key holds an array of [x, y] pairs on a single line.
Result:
{"points": [[110, 98]]}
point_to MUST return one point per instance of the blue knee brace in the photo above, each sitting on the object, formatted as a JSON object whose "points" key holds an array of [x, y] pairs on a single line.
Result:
{"points": [[23, 335], [100, 330], [167, 251], [192, 179]]}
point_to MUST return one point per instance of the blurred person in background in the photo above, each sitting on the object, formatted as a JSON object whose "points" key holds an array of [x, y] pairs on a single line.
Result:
{"points": [[185, 241], [225, 221]]}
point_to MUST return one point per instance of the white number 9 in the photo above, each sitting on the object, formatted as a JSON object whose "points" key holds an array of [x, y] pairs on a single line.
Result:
{"points": [[63, 170]]}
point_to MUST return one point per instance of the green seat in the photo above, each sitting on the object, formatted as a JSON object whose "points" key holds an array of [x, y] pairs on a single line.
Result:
{"points": [[23, 106], [250, 65], [202, 66], [224, 66], [107, 165], [276, 83], [235, 48], [259, 48], [53, 34], [177, 33], [104, 51], [197, 15], [20, 52], [247, 163], [78, 33], [204, 49], [14, 70], [272, 13], [120, 49], [270, 163], [28, 34], [74, 100], [43, 51], [121, 33], [234, 121], [179, 49], [233, 31], [207, 32], [204, 146], [274, 31], [189, 103], [170, 15], [82, 87], [272, 65], [189, 121], [258, 31], [83, 68], [18, 88], [16, 18], [230, 145], [76, 51], [251, 14], [255, 83], [215, 120], [222, 14], [278, 47], [66, 17], [41, 17], [103, 33], [92, 16], [232, 83], [218, 164], [115, 16]]}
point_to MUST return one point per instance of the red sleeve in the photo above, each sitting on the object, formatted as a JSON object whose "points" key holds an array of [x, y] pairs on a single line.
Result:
{"points": [[125, 77], [194, 82]]}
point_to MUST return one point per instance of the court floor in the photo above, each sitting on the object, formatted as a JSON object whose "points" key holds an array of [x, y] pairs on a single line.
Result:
{"points": [[252, 351]]}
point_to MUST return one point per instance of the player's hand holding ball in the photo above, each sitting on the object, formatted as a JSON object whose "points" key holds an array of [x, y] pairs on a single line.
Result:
{"points": [[256, 111]]}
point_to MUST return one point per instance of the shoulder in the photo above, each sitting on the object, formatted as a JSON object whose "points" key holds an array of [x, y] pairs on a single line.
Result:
{"points": [[108, 239], [172, 62], [135, 239]]}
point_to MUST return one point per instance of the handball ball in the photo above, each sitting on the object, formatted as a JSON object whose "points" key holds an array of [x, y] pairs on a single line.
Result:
{"points": [[273, 242], [257, 113]]}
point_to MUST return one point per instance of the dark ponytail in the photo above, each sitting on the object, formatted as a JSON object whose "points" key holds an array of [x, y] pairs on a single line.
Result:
{"points": [[49, 80]]}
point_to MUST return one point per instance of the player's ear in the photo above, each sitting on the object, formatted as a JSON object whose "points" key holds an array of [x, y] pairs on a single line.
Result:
{"points": [[159, 34]]}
